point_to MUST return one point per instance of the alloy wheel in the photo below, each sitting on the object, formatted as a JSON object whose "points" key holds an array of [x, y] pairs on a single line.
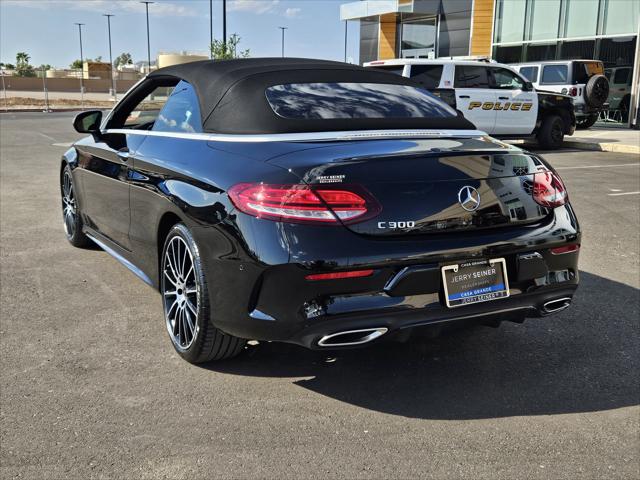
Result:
{"points": [[180, 293], [68, 205]]}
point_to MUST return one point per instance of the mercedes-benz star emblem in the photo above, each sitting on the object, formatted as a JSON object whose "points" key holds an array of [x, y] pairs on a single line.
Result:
{"points": [[469, 198]]}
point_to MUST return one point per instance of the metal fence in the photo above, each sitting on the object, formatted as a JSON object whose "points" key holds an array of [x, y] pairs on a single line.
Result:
{"points": [[63, 89]]}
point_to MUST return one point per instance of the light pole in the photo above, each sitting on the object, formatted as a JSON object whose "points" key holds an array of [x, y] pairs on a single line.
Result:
{"points": [[81, 67], [44, 89], [224, 23], [283, 29], [4, 91], [346, 26], [113, 78], [146, 4], [210, 29]]}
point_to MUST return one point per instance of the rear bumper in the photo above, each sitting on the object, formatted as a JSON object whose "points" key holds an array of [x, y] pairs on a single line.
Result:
{"points": [[262, 293], [515, 308], [585, 110]]}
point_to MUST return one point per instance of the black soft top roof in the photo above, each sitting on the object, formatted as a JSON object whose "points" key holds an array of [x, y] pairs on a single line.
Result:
{"points": [[232, 95]]}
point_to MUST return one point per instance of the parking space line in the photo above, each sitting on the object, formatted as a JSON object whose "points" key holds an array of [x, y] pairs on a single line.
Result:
{"points": [[622, 193], [600, 166], [47, 136]]}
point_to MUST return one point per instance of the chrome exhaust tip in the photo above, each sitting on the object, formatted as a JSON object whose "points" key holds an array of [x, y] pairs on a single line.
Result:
{"points": [[352, 337], [557, 305]]}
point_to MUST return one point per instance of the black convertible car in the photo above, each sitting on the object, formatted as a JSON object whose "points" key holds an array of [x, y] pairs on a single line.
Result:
{"points": [[316, 203]]}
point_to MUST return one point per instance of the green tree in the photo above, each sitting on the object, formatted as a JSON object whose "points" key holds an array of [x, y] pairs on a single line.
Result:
{"points": [[229, 50], [123, 59], [23, 69], [22, 58], [76, 64], [9, 66]]}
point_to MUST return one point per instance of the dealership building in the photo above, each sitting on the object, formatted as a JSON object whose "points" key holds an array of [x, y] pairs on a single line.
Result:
{"points": [[509, 31]]}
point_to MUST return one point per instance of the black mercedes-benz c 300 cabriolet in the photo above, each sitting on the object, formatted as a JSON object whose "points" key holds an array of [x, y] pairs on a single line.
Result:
{"points": [[316, 203]]}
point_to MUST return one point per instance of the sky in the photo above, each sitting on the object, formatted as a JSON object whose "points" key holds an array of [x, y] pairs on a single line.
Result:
{"points": [[45, 28]]}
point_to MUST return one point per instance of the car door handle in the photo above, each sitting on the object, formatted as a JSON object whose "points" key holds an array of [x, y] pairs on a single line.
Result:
{"points": [[464, 96], [503, 98], [123, 154]]}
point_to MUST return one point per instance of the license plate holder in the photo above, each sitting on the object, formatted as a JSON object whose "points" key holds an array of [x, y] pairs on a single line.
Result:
{"points": [[475, 281]]}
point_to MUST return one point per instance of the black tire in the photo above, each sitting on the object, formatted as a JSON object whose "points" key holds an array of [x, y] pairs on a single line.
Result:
{"points": [[596, 91], [551, 134], [204, 342], [586, 122], [71, 218]]}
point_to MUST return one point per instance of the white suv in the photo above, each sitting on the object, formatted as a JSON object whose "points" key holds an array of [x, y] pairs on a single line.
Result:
{"points": [[620, 91], [582, 80], [492, 96]]}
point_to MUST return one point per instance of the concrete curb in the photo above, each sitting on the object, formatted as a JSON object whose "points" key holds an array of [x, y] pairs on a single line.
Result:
{"points": [[602, 147], [51, 110]]}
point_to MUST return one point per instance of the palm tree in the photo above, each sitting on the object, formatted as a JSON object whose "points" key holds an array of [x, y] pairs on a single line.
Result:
{"points": [[22, 58]]}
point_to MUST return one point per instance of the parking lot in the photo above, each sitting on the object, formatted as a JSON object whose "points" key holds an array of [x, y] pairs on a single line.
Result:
{"points": [[91, 386]]}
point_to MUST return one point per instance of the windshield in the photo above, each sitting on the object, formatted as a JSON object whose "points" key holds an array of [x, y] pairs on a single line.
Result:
{"points": [[354, 100]]}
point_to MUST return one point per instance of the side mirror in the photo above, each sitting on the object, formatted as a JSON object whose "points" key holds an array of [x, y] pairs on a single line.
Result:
{"points": [[88, 122], [528, 87]]}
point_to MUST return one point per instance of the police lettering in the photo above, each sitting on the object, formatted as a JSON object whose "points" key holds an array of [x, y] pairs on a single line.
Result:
{"points": [[515, 106]]}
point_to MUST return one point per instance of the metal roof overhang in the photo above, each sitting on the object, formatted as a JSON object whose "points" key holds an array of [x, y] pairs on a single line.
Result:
{"points": [[372, 8]]}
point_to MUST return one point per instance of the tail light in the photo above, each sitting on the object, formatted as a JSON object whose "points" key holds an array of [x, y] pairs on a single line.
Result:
{"points": [[304, 203], [548, 189], [573, 91], [339, 275], [572, 247]]}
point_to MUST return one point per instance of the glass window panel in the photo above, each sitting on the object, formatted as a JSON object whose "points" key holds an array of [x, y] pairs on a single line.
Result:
{"points": [[530, 73], [368, 40], [471, 77], [622, 17], [578, 50], [508, 54], [356, 100], [617, 51], [417, 37], [540, 52], [544, 22], [555, 74], [395, 69], [622, 75], [582, 18], [510, 20], [145, 113], [504, 79], [181, 113], [427, 75]]}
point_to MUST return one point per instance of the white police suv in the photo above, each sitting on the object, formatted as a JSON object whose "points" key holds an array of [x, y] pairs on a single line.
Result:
{"points": [[494, 97]]}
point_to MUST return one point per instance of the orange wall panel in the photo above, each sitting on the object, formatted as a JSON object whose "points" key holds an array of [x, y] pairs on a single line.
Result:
{"points": [[482, 28], [387, 43]]}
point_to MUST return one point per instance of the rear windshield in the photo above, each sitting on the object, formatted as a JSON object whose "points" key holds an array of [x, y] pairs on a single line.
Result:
{"points": [[555, 75], [354, 100], [396, 69], [426, 75]]}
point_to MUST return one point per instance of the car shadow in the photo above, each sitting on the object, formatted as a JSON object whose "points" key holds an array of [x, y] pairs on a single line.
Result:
{"points": [[583, 359]]}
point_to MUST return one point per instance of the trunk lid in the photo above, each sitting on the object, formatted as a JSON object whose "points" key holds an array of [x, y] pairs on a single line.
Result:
{"points": [[427, 186]]}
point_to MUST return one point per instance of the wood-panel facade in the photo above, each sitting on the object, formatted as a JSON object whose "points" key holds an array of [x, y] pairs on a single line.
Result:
{"points": [[482, 27], [387, 40]]}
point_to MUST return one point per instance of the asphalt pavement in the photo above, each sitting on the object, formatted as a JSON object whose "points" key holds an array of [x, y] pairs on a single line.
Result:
{"points": [[91, 386]]}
